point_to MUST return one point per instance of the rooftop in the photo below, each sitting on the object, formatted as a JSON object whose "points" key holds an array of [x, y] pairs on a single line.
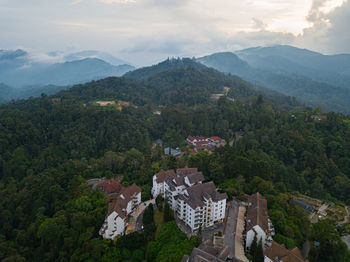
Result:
{"points": [[257, 212], [277, 251]]}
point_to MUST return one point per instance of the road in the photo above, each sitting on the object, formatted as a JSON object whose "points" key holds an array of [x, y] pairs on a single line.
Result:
{"points": [[230, 228]]}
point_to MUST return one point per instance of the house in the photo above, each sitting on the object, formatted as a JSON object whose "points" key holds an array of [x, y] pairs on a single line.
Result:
{"points": [[193, 140], [105, 103], [207, 252], [171, 151], [122, 201], [202, 145], [216, 141], [257, 221], [279, 253], [304, 205], [195, 203], [56, 100], [319, 117], [156, 143]]}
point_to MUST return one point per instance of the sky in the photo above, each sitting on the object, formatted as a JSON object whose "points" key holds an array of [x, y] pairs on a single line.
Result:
{"points": [[147, 31]]}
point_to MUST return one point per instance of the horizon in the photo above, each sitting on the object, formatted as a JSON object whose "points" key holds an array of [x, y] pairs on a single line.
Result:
{"points": [[145, 31], [61, 56]]}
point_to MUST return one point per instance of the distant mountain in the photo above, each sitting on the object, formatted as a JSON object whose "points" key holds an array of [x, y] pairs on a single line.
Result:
{"points": [[95, 54], [8, 93], [282, 75], [18, 69], [169, 64], [225, 62], [332, 69]]}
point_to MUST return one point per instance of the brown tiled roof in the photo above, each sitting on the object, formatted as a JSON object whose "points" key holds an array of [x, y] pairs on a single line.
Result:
{"points": [[197, 192], [161, 175], [257, 212], [195, 177], [282, 253], [119, 204], [186, 170], [110, 187]]}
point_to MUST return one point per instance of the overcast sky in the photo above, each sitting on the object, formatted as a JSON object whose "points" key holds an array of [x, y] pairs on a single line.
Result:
{"points": [[146, 31]]}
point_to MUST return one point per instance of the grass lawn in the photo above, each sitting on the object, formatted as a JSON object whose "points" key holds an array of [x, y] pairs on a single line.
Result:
{"points": [[158, 219]]}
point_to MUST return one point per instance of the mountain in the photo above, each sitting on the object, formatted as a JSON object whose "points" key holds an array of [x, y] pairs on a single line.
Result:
{"points": [[19, 69], [8, 93], [225, 62], [169, 64], [332, 69], [278, 73], [95, 54]]}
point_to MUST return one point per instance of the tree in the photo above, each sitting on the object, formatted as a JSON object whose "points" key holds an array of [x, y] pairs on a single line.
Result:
{"points": [[167, 212], [159, 202]]}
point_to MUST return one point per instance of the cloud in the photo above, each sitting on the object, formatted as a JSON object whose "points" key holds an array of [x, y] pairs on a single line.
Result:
{"points": [[329, 31], [259, 24]]}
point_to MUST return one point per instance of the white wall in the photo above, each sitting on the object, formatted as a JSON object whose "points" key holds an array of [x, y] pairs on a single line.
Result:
{"points": [[260, 234], [119, 226]]}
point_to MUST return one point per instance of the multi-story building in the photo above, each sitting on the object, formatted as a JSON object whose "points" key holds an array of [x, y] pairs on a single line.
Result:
{"points": [[257, 221], [122, 201], [197, 204]]}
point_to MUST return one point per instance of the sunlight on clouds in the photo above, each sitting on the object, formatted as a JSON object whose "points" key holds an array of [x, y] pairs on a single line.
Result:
{"points": [[330, 5]]}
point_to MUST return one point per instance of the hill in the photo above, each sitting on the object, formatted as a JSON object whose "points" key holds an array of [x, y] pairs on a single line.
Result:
{"points": [[167, 83], [169, 64]]}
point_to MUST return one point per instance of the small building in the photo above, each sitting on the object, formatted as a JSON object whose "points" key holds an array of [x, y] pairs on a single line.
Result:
{"points": [[56, 100], [193, 140], [319, 117], [105, 103], [171, 151], [156, 143], [279, 253], [207, 252], [304, 205]]}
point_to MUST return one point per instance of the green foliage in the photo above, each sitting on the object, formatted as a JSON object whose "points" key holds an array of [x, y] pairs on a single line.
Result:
{"points": [[167, 215], [170, 244], [331, 247]]}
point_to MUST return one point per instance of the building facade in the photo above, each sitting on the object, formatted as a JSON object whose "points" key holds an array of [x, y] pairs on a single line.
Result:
{"points": [[197, 204], [123, 201]]}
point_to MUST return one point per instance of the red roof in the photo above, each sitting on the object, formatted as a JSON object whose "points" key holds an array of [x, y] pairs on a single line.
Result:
{"points": [[110, 187], [216, 138]]}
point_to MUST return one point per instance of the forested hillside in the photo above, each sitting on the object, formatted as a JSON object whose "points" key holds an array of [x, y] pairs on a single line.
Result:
{"points": [[48, 150]]}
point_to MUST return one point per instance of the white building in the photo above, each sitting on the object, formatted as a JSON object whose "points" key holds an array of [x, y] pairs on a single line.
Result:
{"points": [[194, 203], [121, 204], [257, 221]]}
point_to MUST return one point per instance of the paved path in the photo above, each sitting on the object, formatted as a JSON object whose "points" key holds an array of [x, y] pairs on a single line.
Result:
{"points": [[230, 227], [135, 223]]}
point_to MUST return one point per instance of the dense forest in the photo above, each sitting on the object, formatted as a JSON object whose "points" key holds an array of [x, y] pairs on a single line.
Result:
{"points": [[48, 151]]}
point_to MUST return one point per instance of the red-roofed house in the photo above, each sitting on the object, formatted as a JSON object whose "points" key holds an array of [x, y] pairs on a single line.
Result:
{"points": [[193, 140]]}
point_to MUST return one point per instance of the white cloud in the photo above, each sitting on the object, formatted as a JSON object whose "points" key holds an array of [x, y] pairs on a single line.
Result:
{"points": [[153, 29]]}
